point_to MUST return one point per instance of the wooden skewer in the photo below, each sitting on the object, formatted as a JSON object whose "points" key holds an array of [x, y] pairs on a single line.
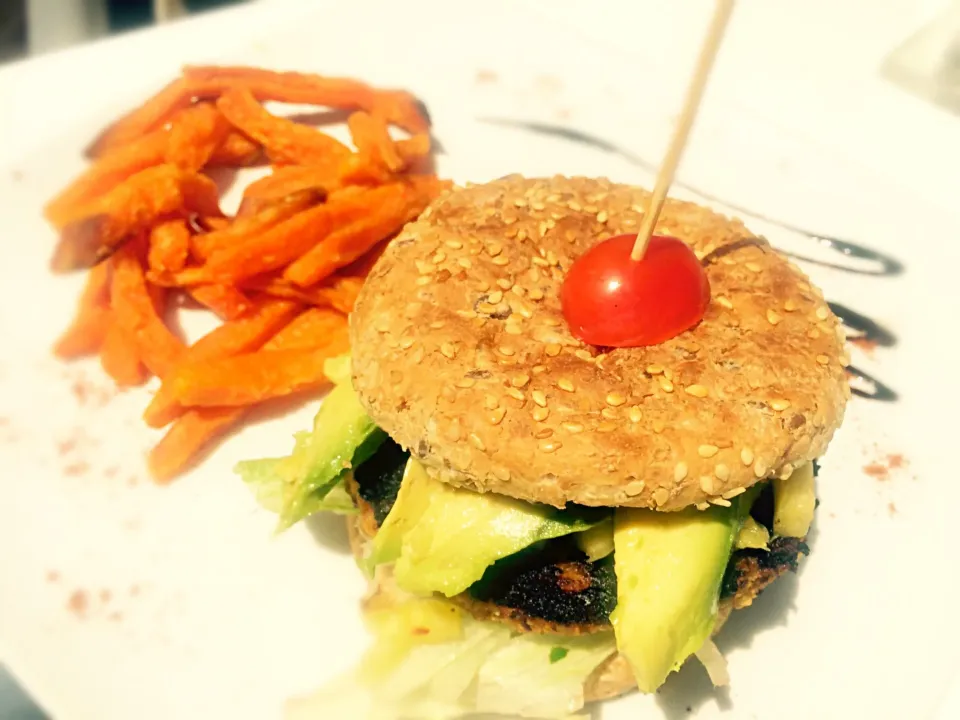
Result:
{"points": [[668, 167]]}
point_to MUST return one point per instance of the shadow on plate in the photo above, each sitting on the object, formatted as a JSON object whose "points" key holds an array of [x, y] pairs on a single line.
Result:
{"points": [[330, 531]]}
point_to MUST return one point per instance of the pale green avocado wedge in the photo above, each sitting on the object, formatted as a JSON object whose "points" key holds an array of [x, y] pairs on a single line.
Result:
{"points": [[794, 502], [308, 480], [669, 567], [442, 539]]}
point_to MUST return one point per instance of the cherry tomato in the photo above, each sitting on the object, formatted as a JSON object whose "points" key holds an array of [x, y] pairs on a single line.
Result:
{"points": [[609, 299]]}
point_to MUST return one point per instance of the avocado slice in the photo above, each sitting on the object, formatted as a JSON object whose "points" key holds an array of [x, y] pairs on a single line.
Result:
{"points": [[442, 538], [343, 437], [669, 567], [794, 501]]}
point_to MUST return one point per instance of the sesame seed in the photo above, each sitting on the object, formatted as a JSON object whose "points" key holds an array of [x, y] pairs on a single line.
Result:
{"points": [[659, 426], [537, 369], [422, 267], [543, 433], [759, 469], [602, 216], [583, 354], [501, 473], [635, 414], [773, 317], [516, 395], [501, 260], [552, 322], [703, 506], [634, 488], [779, 404], [466, 382], [822, 313], [553, 349], [551, 446], [483, 286], [706, 484], [575, 206], [606, 427], [616, 399], [725, 302], [540, 413], [535, 294], [721, 471], [448, 351], [494, 249], [495, 417], [513, 329], [464, 262], [539, 398], [720, 501], [520, 203], [417, 356], [406, 343], [790, 305], [609, 413], [746, 456], [786, 471], [707, 451], [661, 496], [696, 390], [666, 385], [538, 206], [573, 427], [476, 441], [520, 380], [437, 324], [552, 258], [679, 471], [495, 297], [504, 283], [423, 280], [454, 244], [823, 359], [491, 401], [539, 261], [486, 308], [752, 267], [654, 369], [730, 494], [439, 257], [507, 350], [565, 384]]}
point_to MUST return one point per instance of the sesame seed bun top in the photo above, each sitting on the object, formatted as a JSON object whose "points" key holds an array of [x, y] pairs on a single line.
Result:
{"points": [[461, 353]]}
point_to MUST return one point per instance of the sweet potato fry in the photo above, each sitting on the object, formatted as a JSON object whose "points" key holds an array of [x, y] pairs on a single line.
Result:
{"points": [[416, 154], [226, 301], [135, 312], [243, 335], [169, 246], [131, 207], [310, 329], [284, 140], [188, 437], [289, 239], [104, 175], [89, 326], [350, 242], [253, 225], [289, 182], [118, 355], [338, 292], [195, 134], [236, 150], [255, 377], [372, 138]]}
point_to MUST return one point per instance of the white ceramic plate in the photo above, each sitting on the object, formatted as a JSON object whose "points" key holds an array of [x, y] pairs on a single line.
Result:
{"points": [[119, 599]]}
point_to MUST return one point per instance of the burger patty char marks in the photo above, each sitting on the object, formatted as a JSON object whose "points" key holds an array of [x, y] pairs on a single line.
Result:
{"points": [[550, 587]]}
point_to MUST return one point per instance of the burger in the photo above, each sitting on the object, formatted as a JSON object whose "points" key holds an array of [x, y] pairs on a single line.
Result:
{"points": [[547, 523]]}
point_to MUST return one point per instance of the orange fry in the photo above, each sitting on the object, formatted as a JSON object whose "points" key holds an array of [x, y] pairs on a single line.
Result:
{"points": [[131, 207], [243, 335], [195, 134], [89, 326], [338, 292], [255, 377], [310, 329], [372, 138], [284, 140], [118, 355], [187, 438], [253, 225], [135, 312], [226, 301], [416, 153], [289, 239], [236, 150], [287, 181], [350, 242], [104, 175], [169, 246]]}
